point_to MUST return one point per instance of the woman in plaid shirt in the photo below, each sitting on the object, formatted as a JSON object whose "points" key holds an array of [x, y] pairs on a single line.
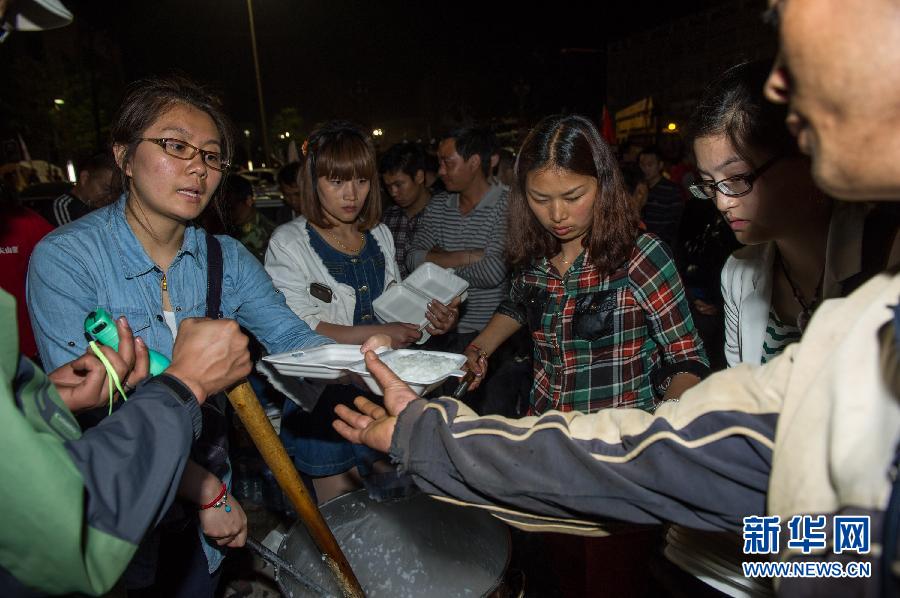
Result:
{"points": [[605, 305]]}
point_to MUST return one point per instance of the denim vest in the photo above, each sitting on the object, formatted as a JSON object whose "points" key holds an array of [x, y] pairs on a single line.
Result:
{"points": [[364, 272]]}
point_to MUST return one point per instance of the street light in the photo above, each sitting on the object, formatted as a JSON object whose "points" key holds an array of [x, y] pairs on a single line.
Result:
{"points": [[377, 132], [59, 101], [262, 106]]}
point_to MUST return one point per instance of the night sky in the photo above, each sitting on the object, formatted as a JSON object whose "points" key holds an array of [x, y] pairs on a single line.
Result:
{"points": [[382, 60]]}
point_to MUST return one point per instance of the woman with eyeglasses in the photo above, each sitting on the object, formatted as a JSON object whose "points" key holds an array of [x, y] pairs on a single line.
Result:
{"points": [[144, 258], [802, 248]]}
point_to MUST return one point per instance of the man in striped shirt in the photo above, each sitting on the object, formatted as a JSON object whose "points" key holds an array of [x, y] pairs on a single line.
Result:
{"points": [[465, 228], [93, 190]]}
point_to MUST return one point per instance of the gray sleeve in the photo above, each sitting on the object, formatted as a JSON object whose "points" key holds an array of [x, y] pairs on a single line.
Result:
{"points": [[703, 462], [490, 271], [424, 239], [132, 461]]}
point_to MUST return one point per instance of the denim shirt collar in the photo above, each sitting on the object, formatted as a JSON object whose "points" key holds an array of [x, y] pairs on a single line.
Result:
{"points": [[135, 261]]}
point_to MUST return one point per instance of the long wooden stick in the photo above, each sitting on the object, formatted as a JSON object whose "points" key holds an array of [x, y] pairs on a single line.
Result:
{"points": [[266, 440]]}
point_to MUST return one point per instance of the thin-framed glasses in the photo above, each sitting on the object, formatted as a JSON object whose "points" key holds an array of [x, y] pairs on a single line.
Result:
{"points": [[185, 151], [735, 186]]}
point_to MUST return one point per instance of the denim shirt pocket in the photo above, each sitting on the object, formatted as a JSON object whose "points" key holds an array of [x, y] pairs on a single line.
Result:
{"points": [[595, 315], [138, 318]]}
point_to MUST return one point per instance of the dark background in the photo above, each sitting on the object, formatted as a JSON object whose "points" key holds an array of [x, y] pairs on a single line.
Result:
{"points": [[410, 68]]}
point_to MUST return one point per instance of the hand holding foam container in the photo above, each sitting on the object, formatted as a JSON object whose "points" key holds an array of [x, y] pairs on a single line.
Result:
{"points": [[408, 301]]}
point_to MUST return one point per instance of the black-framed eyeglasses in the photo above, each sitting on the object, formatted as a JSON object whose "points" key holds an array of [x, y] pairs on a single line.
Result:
{"points": [[185, 151], [735, 186]]}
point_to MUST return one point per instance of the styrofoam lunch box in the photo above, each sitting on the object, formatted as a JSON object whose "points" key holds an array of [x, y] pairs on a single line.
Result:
{"points": [[420, 387], [330, 362], [407, 301]]}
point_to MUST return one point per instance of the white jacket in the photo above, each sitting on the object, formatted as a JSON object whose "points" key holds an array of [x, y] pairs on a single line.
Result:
{"points": [[294, 265], [747, 282]]}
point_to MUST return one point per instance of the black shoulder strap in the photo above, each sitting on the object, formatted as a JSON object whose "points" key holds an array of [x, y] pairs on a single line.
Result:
{"points": [[214, 269]]}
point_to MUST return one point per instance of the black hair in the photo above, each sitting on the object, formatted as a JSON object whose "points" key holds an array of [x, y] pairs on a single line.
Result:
{"points": [[471, 141], [734, 105], [289, 173], [652, 150], [235, 190], [431, 162], [632, 177], [408, 158], [97, 162]]}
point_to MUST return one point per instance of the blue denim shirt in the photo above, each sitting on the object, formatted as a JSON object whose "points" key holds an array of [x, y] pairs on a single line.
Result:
{"points": [[97, 261]]}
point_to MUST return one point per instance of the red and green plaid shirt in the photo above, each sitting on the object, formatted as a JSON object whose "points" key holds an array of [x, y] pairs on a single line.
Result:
{"points": [[606, 341]]}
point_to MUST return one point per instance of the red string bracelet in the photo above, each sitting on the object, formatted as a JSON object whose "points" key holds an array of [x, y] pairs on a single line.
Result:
{"points": [[214, 502], [479, 350]]}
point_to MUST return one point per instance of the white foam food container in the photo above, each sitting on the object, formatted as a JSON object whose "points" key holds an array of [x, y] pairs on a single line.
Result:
{"points": [[455, 362], [330, 362], [407, 301], [327, 362]]}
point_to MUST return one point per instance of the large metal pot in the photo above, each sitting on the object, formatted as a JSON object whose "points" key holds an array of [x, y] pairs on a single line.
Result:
{"points": [[416, 547]]}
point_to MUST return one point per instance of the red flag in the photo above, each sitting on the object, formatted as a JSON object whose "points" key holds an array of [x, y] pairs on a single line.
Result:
{"points": [[608, 128]]}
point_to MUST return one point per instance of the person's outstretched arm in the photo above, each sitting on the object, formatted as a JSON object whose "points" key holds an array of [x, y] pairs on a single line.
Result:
{"points": [[78, 505], [703, 462]]}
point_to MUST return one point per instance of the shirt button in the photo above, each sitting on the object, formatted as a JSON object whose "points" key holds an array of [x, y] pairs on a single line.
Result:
{"points": [[177, 309], [353, 260], [159, 318], [363, 288], [367, 317]]}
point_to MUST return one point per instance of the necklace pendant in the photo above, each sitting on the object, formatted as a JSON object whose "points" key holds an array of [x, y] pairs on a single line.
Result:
{"points": [[165, 283]]}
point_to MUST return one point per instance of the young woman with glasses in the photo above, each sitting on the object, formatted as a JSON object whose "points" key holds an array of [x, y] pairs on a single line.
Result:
{"points": [[142, 257], [801, 248], [750, 166]]}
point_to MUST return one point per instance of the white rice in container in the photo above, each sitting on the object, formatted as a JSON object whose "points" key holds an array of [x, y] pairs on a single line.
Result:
{"points": [[420, 367]]}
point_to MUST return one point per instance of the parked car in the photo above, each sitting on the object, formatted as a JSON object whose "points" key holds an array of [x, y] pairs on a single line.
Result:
{"points": [[266, 195], [261, 176]]}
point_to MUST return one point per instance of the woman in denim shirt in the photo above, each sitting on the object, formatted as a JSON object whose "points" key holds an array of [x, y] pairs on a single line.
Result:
{"points": [[332, 264], [142, 257]]}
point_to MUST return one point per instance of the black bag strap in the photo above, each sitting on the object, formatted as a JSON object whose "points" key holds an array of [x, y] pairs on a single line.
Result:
{"points": [[214, 273]]}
